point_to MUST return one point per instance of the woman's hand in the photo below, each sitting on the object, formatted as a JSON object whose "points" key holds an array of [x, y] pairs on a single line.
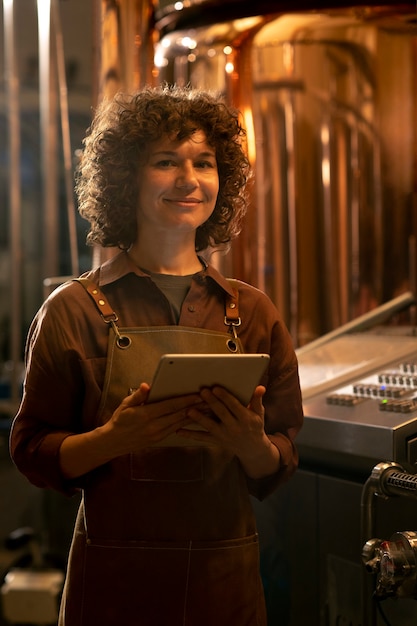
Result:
{"points": [[133, 425], [236, 428], [136, 424]]}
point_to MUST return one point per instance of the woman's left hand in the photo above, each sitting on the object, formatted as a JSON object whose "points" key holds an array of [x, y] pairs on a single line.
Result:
{"points": [[236, 428]]}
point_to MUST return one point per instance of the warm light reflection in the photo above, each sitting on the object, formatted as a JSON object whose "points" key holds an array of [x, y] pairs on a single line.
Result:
{"points": [[325, 172], [250, 134], [229, 68], [288, 57], [189, 43], [44, 11], [159, 59], [325, 162]]}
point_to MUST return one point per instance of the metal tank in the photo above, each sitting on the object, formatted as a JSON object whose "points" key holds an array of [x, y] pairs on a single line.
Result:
{"points": [[328, 100]]}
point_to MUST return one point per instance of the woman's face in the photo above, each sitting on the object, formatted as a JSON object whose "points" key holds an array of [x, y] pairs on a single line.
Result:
{"points": [[178, 185]]}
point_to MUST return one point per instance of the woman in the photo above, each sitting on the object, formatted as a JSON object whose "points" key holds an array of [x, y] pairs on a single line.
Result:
{"points": [[165, 532]]}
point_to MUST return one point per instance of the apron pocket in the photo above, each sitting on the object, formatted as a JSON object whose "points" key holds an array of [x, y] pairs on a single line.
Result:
{"points": [[180, 584]]}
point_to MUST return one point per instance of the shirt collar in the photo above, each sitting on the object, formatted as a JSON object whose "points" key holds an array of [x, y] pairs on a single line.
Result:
{"points": [[120, 265]]}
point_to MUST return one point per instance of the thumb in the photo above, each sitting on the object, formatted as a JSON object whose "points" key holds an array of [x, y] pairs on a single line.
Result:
{"points": [[256, 400], [137, 396]]}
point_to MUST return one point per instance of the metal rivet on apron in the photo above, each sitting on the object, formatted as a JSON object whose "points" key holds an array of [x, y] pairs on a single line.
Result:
{"points": [[231, 344], [123, 342], [191, 308], [232, 305]]}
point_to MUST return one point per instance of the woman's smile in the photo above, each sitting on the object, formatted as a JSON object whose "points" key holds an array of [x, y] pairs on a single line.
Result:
{"points": [[185, 202]]}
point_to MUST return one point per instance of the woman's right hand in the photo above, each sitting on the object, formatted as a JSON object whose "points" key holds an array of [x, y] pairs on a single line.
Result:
{"points": [[133, 425], [137, 424]]}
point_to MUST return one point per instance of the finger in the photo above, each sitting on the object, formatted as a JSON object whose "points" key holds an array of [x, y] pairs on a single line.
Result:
{"points": [[221, 396], [195, 435], [221, 403], [256, 401], [140, 396], [172, 405], [202, 415]]}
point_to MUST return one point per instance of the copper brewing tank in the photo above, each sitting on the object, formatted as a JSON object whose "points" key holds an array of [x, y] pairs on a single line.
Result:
{"points": [[328, 97]]}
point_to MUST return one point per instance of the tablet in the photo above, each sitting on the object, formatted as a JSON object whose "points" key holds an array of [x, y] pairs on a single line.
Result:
{"points": [[181, 374]]}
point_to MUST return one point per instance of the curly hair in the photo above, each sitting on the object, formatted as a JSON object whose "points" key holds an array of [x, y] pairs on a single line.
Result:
{"points": [[117, 144]]}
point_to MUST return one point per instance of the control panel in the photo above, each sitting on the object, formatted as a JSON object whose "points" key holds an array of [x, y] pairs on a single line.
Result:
{"points": [[360, 399], [395, 389]]}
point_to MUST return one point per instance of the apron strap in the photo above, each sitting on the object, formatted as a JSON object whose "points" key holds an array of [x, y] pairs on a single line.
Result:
{"points": [[99, 300], [231, 318], [109, 316]]}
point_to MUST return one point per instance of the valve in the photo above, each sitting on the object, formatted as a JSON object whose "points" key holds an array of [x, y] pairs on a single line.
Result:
{"points": [[395, 564]]}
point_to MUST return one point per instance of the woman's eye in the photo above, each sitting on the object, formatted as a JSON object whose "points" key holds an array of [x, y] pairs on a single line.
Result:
{"points": [[204, 164], [165, 163]]}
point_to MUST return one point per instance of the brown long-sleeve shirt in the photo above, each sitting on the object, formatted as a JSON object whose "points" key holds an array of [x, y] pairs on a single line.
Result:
{"points": [[66, 359]]}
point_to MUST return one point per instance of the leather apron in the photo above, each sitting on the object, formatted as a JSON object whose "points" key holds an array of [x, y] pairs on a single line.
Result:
{"points": [[165, 536]]}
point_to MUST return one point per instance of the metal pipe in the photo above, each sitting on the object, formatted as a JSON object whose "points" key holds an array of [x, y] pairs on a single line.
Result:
{"points": [[372, 488], [48, 142], [66, 139], [289, 116], [330, 277], [387, 479], [376, 486], [12, 85]]}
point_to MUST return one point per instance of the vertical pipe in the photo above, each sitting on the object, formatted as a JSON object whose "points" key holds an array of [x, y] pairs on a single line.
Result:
{"points": [[378, 485], [48, 142], [279, 241], [379, 224], [12, 83], [343, 239], [330, 281], [369, 492], [109, 72], [413, 236], [260, 214], [66, 139], [355, 268], [289, 114]]}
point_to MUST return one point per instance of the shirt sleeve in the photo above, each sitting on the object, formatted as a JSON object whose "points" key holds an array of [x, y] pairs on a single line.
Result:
{"points": [[53, 395]]}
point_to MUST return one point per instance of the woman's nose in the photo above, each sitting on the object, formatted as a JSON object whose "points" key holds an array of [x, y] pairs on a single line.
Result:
{"points": [[187, 176]]}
